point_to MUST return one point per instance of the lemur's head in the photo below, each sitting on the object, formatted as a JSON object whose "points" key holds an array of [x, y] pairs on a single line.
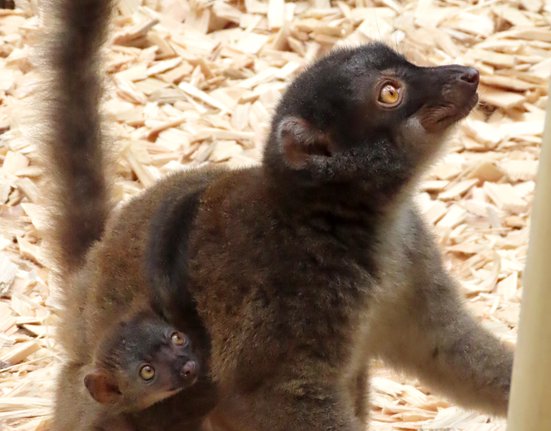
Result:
{"points": [[142, 361], [367, 114]]}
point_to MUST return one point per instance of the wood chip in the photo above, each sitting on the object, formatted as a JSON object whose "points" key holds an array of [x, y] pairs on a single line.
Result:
{"points": [[505, 197], [201, 95], [487, 171], [457, 189], [20, 352], [499, 98], [7, 274]]}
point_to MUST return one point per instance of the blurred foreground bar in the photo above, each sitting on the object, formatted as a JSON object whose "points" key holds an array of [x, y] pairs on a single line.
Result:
{"points": [[530, 404]]}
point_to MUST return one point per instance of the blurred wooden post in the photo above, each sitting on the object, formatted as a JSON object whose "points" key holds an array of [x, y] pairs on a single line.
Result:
{"points": [[530, 403]]}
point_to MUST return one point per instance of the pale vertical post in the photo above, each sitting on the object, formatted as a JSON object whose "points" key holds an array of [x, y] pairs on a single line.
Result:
{"points": [[530, 402]]}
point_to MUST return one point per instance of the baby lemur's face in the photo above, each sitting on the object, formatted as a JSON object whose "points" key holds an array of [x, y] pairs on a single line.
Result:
{"points": [[143, 361], [367, 112]]}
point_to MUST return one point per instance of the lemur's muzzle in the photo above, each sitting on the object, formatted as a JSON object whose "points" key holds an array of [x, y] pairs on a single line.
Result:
{"points": [[454, 95]]}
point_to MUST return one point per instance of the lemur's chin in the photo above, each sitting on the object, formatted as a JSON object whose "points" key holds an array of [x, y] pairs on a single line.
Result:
{"points": [[435, 119]]}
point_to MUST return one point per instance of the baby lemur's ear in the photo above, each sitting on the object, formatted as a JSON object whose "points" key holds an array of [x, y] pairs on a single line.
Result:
{"points": [[102, 386], [302, 144]]}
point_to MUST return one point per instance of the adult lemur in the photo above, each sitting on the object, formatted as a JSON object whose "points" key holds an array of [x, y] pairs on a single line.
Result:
{"points": [[300, 269]]}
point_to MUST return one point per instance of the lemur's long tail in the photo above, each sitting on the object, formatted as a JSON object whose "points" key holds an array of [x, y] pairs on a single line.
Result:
{"points": [[74, 141]]}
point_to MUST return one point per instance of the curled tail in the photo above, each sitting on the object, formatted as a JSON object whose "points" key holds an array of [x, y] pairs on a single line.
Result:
{"points": [[74, 141]]}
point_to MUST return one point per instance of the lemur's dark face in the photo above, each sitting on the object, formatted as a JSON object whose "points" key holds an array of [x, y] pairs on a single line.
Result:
{"points": [[367, 111], [437, 97]]}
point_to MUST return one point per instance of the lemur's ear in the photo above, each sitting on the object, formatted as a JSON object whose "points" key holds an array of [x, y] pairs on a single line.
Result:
{"points": [[102, 386], [301, 144]]}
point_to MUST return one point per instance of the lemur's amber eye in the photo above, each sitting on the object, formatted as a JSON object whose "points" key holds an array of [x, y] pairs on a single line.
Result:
{"points": [[389, 95], [147, 372], [178, 339]]}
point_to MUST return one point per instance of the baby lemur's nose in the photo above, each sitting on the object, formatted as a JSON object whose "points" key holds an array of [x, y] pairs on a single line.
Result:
{"points": [[470, 76], [189, 370]]}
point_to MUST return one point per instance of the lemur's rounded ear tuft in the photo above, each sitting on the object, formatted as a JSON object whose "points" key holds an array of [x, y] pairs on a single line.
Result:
{"points": [[300, 143], [102, 386]]}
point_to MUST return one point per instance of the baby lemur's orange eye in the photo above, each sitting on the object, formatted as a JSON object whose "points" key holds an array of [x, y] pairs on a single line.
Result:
{"points": [[178, 339], [147, 372], [389, 95]]}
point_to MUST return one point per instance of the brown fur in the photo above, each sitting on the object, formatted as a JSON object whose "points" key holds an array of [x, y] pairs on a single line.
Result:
{"points": [[73, 93], [114, 283], [96, 297], [7, 4], [301, 269]]}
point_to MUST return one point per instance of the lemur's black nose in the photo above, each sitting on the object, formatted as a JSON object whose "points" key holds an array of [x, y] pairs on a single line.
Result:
{"points": [[470, 76], [189, 370]]}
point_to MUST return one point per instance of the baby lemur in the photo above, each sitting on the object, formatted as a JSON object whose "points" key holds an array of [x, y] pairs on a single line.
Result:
{"points": [[141, 360], [291, 275]]}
